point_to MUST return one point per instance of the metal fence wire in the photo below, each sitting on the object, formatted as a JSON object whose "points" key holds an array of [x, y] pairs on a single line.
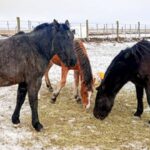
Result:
{"points": [[84, 30]]}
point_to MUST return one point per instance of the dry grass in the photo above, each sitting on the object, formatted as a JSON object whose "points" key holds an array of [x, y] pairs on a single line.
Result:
{"points": [[67, 125]]}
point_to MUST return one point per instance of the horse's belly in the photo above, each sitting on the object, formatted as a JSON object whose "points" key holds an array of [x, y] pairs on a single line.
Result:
{"points": [[5, 82], [10, 79]]}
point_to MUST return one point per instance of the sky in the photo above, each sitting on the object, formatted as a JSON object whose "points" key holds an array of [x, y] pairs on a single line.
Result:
{"points": [[96, 11]]}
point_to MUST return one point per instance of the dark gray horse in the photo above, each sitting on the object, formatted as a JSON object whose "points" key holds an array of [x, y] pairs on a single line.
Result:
{"points": [[24, 59]]}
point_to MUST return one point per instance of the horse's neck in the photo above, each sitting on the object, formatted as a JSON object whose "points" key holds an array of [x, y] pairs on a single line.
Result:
{"points": [[43, 43], [84, 63], [113, 87]]}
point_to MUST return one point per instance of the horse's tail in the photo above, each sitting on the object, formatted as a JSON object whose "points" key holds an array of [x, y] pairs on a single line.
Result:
{"points": [[84, 63]]}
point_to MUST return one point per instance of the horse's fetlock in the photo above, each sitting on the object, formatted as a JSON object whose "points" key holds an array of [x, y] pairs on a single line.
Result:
{"points": [[38, 126]]}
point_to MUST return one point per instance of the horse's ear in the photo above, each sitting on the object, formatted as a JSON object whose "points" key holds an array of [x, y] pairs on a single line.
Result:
{"points": [[67, 23], [56, 24], [73, 31]]}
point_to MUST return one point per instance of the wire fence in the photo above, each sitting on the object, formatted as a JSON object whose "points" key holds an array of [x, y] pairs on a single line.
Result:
{"points": [[85, 29]]}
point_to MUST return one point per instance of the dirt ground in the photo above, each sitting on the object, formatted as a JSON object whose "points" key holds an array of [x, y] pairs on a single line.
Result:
{"points": [[68, 126]]}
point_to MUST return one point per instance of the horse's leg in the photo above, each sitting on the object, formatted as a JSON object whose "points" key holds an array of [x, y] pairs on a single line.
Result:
{"points": [[48, 83], [33, 89], [21, 93], [139, 95], [76, 85], [147, 89], [60, 85]]}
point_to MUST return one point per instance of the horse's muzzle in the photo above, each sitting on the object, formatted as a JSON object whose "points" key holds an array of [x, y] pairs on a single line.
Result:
{"points": [[98, 115]]}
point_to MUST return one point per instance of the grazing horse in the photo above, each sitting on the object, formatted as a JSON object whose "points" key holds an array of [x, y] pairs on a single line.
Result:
{"points": [[24, 58], [132, 64], [82, 69]]}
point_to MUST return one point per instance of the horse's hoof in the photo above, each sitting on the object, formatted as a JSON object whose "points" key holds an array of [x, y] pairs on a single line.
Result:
{"points": [[78, 99], [137, 117], [16, 125], [53, 100], [87, 106], [50, 89], [137, 114], [38, 126], [15, 120]]}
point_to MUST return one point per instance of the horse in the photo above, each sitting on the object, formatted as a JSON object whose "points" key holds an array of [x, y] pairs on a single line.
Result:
{"points": [[131, 64], [82, 70], [24, 58]]}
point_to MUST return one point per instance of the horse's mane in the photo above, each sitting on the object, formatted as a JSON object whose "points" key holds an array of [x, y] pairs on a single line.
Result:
{"points": [[141, 49], [41, 26], [131, 55], [84, 63], [44, 25]]}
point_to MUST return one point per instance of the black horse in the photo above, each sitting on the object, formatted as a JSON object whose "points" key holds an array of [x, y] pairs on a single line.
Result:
{"points": [[132, 64], [24, 59]]}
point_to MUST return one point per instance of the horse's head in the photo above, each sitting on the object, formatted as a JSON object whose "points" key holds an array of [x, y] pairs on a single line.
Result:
{"points": [[103, 103], [118, 73], [86, 94], [63, 43]]}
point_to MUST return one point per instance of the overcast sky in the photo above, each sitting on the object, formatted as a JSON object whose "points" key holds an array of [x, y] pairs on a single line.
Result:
{"points": [[97, 11]]}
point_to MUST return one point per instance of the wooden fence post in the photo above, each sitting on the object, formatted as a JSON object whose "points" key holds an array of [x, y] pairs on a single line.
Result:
{"points": [[117, 31], [145, 30], [87, 29], [139, 30], [29, 25], [18, 24], [80, 30]]}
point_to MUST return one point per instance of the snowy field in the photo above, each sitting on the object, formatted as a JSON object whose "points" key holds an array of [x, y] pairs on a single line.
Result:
{"points": [[61, 128]]}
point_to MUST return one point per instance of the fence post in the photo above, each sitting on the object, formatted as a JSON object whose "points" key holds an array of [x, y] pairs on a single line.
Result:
{"points": [[125, 30], [29, 25], [80, 30], [139, 30], [7, 25], [18, 24], [117, 31], [87, 29], [145, 30], [97, 27]]}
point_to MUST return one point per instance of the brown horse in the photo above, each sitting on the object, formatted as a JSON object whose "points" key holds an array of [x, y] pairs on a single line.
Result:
{"points": [[82, 70]]}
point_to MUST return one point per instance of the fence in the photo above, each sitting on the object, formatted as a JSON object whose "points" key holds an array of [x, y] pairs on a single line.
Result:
{"points": [[87, 30]]}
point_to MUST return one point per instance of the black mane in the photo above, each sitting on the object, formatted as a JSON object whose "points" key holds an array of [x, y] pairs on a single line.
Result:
{"points": [[140, 49], [84, 63], [41, 26]]}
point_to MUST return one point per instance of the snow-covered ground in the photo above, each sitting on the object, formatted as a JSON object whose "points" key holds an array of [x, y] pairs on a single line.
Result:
{"points": [[100, 55]]}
